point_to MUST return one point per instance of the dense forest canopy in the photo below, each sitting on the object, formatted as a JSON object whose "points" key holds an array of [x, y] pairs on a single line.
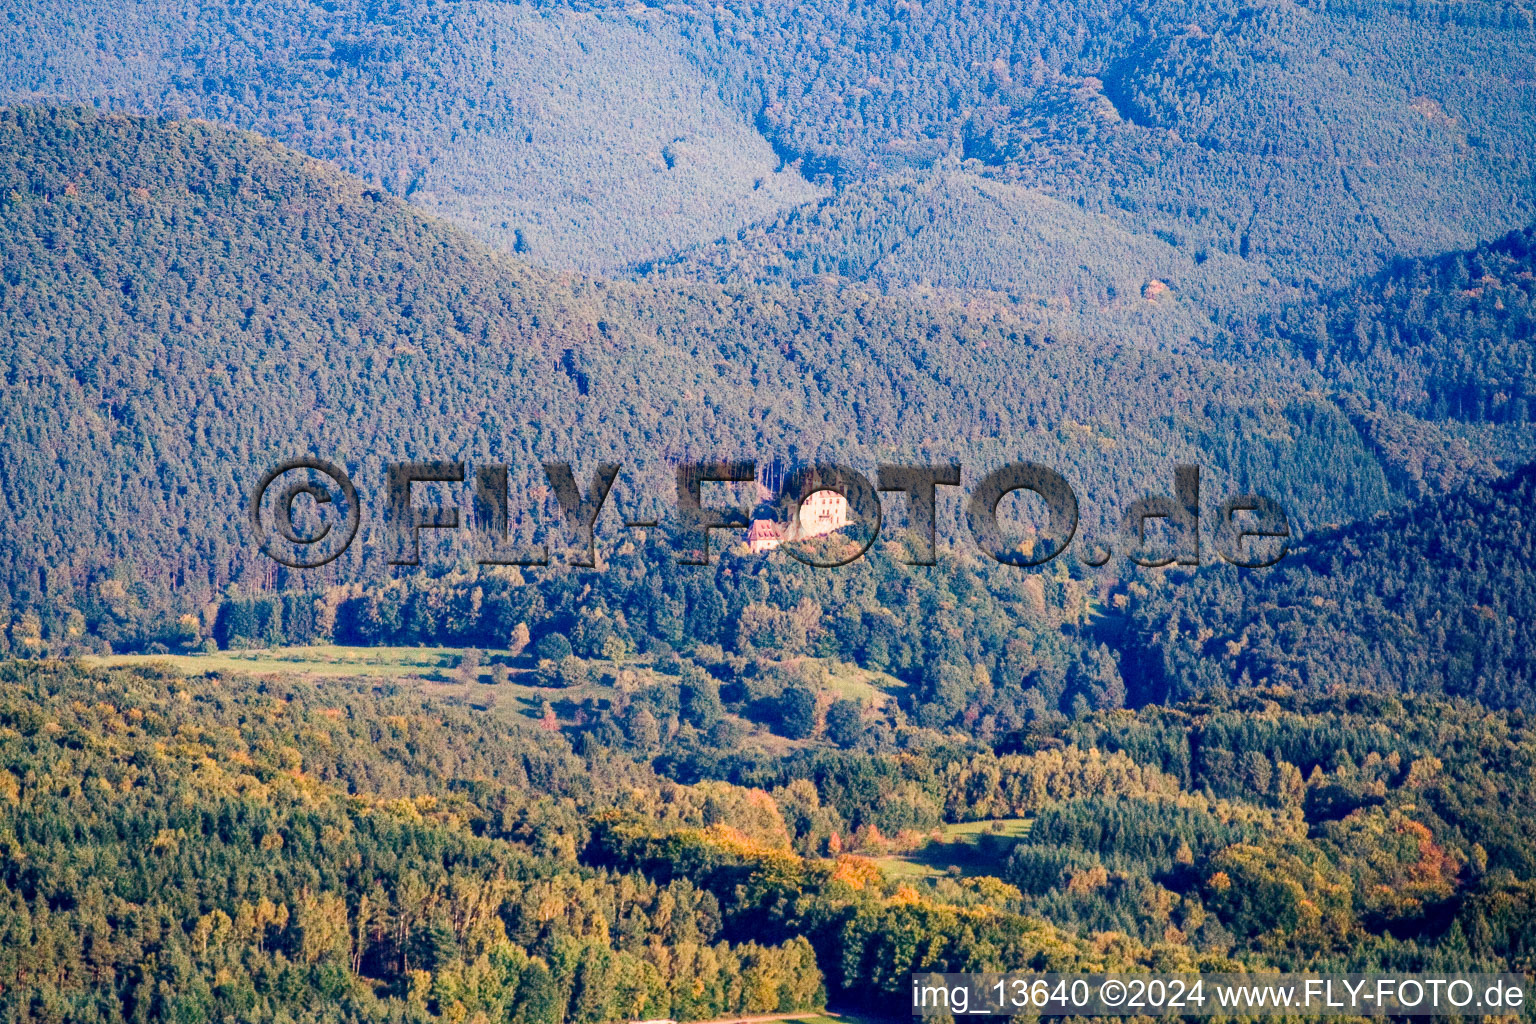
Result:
{"points": [[1288, 243], [577, 141], [187, 306], [1435, 598], [1314, 140], [1445, 338], [1312, 137], [189, 848]]}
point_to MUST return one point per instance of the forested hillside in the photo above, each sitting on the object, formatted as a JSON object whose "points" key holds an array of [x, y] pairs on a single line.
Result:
{"points": [[200, 849], [1289, 242], [575, 140], [186, 306], [912, 231], [190, 848], [1453, 337], [1436, 599], [1315, 138], [1317, 141]]}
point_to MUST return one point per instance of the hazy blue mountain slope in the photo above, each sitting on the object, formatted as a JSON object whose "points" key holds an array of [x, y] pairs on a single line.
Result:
{"points": [[184, 306], [1317, 138], [583, 141], [1450, 337], [1436, 599], [952, 229]]}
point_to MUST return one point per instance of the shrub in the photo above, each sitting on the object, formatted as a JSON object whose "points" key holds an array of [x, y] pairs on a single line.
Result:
{"points": [[797, 712], [552, 647]]}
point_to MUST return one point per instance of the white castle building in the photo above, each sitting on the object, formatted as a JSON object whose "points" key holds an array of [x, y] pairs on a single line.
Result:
{"points": [[820, 514]]}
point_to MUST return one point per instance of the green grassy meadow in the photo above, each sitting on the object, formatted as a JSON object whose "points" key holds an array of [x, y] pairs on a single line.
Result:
{"points": [[974, 847]]}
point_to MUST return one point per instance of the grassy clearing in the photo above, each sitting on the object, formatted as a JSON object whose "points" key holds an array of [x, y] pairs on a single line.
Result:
{"points": [[433, 670], [875, 689], [845, 680], [974, 847], [1005, 828], [322, 661]]}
